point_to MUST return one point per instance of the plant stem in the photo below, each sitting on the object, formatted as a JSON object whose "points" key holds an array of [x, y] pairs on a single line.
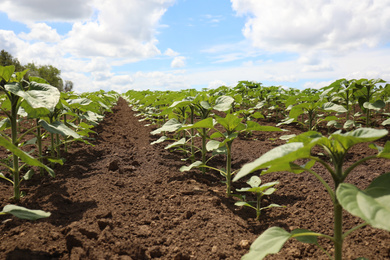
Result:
{"points": [[204, 149], [338, 232], [192, 134], [229, 169], [39, 144], [14, 137]]}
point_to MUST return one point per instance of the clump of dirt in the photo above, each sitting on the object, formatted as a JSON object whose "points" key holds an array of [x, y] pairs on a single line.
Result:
{"points": [[126, 199]]}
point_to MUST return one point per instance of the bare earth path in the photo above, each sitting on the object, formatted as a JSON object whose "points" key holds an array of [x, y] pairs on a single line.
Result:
{"points": [[126, 199]]}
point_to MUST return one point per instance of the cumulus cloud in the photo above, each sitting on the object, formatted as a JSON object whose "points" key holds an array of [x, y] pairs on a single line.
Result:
{"points": [[158, 80], [178, 62], [216, 84], [121, 29], [283, 25], [28, 11], [41, 32], [171, 53]]}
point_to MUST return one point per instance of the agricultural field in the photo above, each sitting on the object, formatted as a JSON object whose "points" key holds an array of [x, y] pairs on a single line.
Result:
{"points": [[162, 175]]}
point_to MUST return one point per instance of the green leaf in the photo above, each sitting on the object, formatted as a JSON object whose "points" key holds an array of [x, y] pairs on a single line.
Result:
{"points": [[254, 181], [371, 205], [6, 72], [386, 122], [160, 140], [29, 174], [177, 143], [243, 203], [329, 106], [37, 80], [170, 126], [24, 213], [39, 100], [223, 103], [5, 123], [205, 123], [281, 155], [357, 136], [296, 233], [377, 105], [385, 151], [193, 165], [213, 145], [24, 156], [270, 242], [58, 127], [269, 191]]}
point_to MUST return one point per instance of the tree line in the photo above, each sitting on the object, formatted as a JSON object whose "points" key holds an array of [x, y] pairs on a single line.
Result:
{"points": [[48, 72]]}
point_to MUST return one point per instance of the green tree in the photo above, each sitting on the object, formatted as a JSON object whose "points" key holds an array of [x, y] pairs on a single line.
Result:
{"points": [[6, 59], [48, 72], [68, 86]]}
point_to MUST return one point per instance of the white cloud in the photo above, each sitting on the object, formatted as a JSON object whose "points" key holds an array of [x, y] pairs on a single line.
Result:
{"points": [[317, 85], [178, 62], [157, 80], [41, 32], [283, 25], [171, 53], [28, 11], [216, 84]]}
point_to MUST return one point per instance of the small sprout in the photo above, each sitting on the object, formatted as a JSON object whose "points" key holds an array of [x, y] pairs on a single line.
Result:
{"points": [[260, 191]]}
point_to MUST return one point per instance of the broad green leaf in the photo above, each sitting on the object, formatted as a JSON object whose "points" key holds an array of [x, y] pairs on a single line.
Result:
{"points": [[37, 80], [58, 127], [39, 99], [329, 106], [385, 151], [54, 160], [386, 122], [360, 135], [78, 102], [205, 123], [372, 204], [377, 105], [297, 234], [24, 213], [193, 165], [205, 104], [243, 203], [270, 242], [160, 140], [213, 145], [177, 143], [287, 137], [281, 155], [223, 103], [170, 126], [269, 191], [254, 181], [257, 115], [273, 205], [349, 124], [29, 174], [24, 156], [5, 123], [231, 122], [6, 72]]}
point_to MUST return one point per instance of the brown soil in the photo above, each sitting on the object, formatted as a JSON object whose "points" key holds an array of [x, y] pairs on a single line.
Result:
{"points": [[126, 199]]}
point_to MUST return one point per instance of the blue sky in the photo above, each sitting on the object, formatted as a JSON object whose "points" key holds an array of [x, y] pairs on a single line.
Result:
{"points": [[177, 44]]}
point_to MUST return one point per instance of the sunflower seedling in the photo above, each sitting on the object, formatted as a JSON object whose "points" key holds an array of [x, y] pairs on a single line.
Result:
{"points": [[260, 191]]}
